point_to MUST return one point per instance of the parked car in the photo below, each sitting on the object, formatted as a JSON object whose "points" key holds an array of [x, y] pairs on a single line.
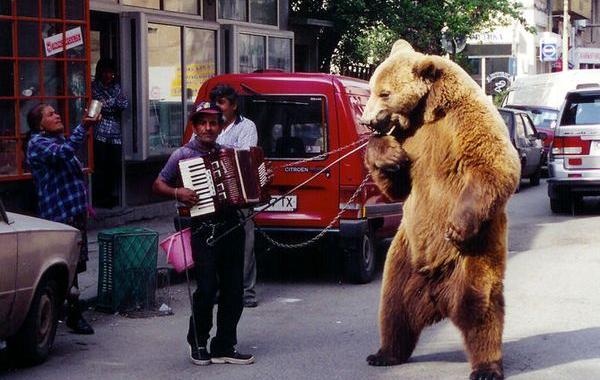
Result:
{"points": [[574, 161], [303, 116], [528, 142], [544, 120], [37, 266]]}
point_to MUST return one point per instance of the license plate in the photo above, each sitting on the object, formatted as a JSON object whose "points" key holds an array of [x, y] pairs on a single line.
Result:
{"points": [[595, 148], [283, 204]]}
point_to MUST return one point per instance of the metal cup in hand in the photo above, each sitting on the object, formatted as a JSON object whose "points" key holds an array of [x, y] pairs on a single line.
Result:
{"points": [[94, 108]]}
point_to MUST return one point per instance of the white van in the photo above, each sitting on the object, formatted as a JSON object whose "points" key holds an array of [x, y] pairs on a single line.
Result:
{"points": [[548, 90]]}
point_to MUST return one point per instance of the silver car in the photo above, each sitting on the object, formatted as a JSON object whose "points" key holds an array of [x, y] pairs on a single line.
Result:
{"points": [[574, 160], [37, 266]]}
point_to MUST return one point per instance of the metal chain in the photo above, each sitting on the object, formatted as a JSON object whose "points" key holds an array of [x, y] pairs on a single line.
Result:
{"points": [[322, 233], [324, 155]]}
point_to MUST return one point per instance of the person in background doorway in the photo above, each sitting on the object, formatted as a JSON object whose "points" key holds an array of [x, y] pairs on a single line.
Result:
{"points": [[108, 135], [239, 133], [60, 185]]}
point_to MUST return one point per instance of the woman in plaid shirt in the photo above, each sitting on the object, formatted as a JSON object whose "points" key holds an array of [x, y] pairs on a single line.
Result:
{"points": [[60, 185]]}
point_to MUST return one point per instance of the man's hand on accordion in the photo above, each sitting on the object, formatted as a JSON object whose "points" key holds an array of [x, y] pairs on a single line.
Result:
{"points": [[186, 196], [269, 170]]}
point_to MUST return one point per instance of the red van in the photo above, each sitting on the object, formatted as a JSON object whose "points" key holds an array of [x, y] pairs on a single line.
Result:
{"points": [[301, 116]]}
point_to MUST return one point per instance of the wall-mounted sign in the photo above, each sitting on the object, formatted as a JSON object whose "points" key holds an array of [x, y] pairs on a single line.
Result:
{"points": [[498, 82], [55, 44]]}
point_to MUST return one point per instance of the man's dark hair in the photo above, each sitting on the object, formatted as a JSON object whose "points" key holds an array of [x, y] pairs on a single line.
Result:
{"points": [[223, 91], [35, 116]]}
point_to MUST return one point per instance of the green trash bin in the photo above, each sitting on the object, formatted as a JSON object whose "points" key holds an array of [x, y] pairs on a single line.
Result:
{"points": [[127, 269]]}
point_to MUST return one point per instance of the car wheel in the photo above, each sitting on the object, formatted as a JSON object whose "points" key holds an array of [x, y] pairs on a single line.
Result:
{"points": [[559, 205], [360, 260], [33, 342], [534, 180]]}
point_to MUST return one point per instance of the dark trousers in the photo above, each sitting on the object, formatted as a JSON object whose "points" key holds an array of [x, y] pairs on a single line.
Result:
{"points": [[217, 268], [107, 174]]}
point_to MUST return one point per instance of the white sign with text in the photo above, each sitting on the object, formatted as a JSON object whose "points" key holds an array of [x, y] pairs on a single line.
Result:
{"points": [[55, 44]]}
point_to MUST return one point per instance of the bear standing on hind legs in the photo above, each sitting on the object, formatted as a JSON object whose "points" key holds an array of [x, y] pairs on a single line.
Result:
{"points": [[449, 158]]}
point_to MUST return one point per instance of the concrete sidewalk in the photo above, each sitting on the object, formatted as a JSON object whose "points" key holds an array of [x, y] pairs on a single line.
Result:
{"points": [[88, 280]]}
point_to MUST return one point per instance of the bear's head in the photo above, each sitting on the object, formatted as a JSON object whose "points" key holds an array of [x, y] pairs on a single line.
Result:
{"points": [[399, 85]]}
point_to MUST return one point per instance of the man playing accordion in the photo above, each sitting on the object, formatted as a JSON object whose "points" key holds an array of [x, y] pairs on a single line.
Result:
{"points": [[219, 267]]}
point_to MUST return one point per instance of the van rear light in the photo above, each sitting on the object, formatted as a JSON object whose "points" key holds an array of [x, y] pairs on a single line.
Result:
{"points": [[574, 175], [575, 161], [570, 146]]}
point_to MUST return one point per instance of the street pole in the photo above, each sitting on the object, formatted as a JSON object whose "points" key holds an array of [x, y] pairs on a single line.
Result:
{"points": [[565, 36]]}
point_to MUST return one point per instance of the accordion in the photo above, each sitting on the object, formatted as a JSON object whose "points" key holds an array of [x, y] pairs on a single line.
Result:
{"points": [[228, 178]]}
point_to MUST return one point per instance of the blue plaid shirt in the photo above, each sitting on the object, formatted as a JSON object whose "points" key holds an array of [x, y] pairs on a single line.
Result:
{"points": [[113, 102], [58, 175]]}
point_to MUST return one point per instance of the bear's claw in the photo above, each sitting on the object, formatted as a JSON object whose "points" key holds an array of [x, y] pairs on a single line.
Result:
{"points": [[381, 360], [486, 374]]}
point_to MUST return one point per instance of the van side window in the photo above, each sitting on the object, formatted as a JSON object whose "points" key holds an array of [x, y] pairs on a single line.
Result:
{"points": [[520, 131], [289, 126]]}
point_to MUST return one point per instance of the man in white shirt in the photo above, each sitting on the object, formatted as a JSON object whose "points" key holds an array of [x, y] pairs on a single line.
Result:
{"points": [[239, 133]]}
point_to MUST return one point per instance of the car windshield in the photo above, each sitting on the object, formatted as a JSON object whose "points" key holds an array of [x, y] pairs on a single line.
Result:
{"points": [[543, 118], [581, 109], [289, 126]]}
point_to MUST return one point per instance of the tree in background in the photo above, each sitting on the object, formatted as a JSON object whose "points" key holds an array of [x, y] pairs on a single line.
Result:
{"points": [[364, 30]]}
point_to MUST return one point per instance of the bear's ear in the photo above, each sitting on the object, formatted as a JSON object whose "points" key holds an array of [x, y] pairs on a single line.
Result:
{"points": [[401, 45], [428, 69]]}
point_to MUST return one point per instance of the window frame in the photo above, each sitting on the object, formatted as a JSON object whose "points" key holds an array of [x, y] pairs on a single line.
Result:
{"points": [[161, 6], [233, 51], [62, 59], [325, 123], [136, 147], [248, 17]]}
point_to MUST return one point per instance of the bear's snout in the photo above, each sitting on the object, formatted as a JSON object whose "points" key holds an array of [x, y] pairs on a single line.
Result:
{"points": [[382, 123]]}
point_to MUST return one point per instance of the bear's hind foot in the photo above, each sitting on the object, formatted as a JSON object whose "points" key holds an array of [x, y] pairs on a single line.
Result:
{"points": [[380, 359], [493, 371]]}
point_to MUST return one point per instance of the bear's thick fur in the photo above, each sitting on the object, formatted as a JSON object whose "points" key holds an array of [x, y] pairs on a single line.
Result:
{"points": [[450, 160]]}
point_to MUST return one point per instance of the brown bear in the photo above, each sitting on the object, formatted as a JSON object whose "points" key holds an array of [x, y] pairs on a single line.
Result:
{"points": [[448, 156]]}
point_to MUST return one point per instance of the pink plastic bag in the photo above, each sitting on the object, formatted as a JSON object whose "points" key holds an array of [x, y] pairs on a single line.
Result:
{"points": [[175, 245]]}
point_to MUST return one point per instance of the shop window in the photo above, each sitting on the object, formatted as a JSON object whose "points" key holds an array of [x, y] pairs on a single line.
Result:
{"points": [[29, 42], [142, 3], [263, 12], [7, 121], [75, 10], [200, 53], [5, 7], [182, 6], [254, 11], [166, 117], [280, 53], [27, 8], [6, 33], [233, 10], [52, 9], [289, 127], [6, 78], [252, 53], [29, 78], [48, 71], [8, 157]]}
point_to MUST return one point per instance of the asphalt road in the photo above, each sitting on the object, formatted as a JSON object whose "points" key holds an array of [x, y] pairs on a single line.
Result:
{"points": [[310, 326]]}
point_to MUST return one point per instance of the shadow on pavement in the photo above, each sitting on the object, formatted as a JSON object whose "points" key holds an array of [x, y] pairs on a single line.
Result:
{"points": [[537, 352]]}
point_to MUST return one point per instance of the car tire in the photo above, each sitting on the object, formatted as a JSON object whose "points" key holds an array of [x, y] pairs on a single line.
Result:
{"points": [[360, 260], [33, 342], [534, 180], [559, 205]]}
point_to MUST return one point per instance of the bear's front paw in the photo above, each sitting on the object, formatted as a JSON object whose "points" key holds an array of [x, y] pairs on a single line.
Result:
{"points": [[493, 371], [463, 225], [381, 360], [385, 153]]}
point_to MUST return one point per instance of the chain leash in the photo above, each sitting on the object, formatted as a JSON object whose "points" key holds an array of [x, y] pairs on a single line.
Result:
{"points": [[324, 231]]}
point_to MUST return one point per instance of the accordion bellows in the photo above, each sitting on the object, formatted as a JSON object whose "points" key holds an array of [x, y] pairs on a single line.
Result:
{"points": [[228, 178]]}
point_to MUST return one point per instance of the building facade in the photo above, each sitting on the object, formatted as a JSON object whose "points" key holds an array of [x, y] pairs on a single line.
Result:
{"points": [[164, 50]]}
